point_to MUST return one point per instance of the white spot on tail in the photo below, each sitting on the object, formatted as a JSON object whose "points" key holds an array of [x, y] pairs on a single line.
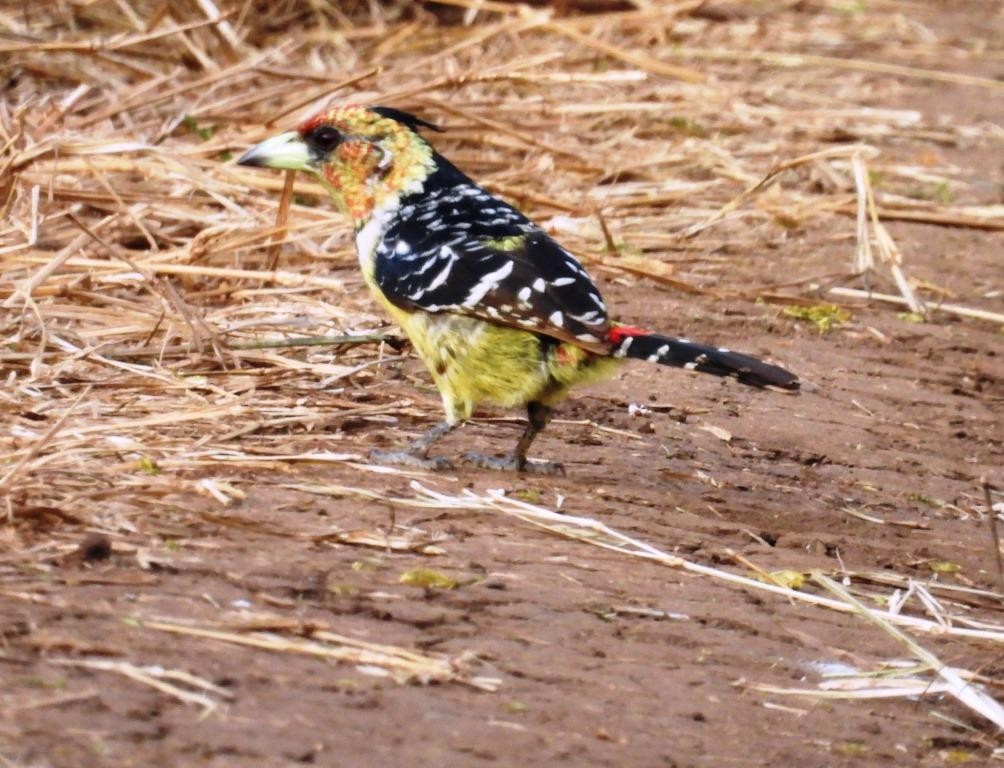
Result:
{"points": [[701, 359], [623, 348]]}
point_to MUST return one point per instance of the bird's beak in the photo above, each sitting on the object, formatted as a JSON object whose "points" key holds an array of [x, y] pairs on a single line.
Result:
{"points": [[287, 151]]}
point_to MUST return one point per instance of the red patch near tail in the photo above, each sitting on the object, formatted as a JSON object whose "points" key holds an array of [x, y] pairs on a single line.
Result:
{"points": [[618, 333]]}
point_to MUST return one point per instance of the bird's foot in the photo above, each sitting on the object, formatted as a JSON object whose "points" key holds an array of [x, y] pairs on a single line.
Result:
{"points": [[408, 458], [512, 463]]}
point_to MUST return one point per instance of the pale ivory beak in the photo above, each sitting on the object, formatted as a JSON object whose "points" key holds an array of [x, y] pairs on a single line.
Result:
{"points": [[287, 151]]}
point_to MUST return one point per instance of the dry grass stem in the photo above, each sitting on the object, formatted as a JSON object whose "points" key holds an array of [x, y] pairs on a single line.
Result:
{"points": [[599, 534], [966, 693], [995, 542], [180, 336], [166, 681], [399, 663]]}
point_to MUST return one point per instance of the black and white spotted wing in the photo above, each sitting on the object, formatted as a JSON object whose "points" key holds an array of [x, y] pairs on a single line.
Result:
{"points": [[455, 248]]}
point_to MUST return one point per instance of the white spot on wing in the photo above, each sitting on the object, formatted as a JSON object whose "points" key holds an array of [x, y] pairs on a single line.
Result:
{"points": [[588, 318], [486, 283], [524, 294], [444, 273], [562, 281], [539, 285], [557, 319], [429, 263]]}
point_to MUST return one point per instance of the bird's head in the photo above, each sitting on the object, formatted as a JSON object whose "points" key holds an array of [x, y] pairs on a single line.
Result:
{"points": [[362, 155]]}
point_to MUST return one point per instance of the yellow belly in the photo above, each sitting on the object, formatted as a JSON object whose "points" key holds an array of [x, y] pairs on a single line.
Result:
{"points": [[473, 361]]}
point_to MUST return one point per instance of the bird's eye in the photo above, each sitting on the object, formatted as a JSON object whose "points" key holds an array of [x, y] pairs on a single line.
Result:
{"points": [[324, 138]]}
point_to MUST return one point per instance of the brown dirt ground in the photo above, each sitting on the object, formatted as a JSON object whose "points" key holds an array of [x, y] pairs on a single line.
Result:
{"points": [[901, 422]]}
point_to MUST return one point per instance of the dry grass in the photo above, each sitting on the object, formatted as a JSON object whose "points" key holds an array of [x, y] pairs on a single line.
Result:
{"points": [[134, 253], [946, 616], [158, 312]]}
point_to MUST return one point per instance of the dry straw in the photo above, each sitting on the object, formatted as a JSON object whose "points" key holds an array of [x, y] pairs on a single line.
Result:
{"points": [[159, 306], [939, 622], [137, 258]]}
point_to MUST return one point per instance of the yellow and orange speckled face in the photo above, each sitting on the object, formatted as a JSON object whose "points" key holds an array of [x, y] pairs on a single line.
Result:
{"points": [[363, 157], [370, 159]]}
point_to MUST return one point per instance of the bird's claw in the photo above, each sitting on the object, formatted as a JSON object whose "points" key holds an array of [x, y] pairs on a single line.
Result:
{"points": [[512, 464], [408, 459]]}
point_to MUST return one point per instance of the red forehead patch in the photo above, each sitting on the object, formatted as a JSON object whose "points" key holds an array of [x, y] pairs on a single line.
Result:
{"points": [[336, 116]]}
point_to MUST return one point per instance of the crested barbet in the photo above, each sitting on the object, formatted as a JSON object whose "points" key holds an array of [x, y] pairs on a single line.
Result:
{"points": [[499, 312]]}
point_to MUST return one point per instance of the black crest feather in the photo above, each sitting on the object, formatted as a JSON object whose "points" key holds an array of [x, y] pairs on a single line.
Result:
{"points": [[405, 118]]}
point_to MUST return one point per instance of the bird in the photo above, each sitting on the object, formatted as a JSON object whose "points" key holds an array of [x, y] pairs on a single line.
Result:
{"points": [[498, 311]]}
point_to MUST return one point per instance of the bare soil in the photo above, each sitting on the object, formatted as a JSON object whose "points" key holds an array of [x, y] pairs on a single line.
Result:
{"points": [[603, 660]]}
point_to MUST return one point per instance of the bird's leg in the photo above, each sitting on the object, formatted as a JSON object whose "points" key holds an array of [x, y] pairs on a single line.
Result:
{"points": [[417, 454], [538, 415]]}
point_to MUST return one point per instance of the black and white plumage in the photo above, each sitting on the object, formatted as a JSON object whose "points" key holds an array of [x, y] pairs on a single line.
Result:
{"points": [[452, 247], [703, 358], [498, 311]]}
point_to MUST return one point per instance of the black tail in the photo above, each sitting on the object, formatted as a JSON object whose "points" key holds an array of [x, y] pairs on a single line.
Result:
{"points": [[681, 353]]}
